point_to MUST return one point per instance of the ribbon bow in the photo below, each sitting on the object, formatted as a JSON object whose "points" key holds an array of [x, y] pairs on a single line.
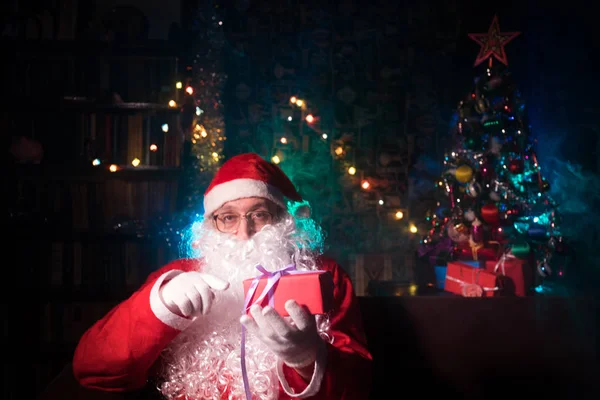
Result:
{"points": [[269, 291], [475, 247], [502, 260]]}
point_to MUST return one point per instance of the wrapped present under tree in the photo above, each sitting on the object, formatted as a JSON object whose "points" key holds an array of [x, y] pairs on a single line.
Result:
{"points": [[467, 281]]}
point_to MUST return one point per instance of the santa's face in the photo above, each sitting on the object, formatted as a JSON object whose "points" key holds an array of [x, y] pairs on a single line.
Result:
{"points": [[242, 234], [244, 217]]}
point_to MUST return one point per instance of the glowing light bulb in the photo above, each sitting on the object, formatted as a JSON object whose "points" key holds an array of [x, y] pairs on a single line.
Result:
{"points": [[293, 99], [153, 147], [172, 103], [189, 90], [352, 170], [399, 215], [275, 159], [113, 168], [413, 228], [339, 150], [135, 162], [283, 140], [96, 162], [178, 85], [310, 119], [165, 128], [365, 185]]}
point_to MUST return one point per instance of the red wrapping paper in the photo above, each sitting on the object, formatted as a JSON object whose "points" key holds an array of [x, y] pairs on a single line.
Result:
{"points": [[313, 290], [514, 274], [467, 281], [489, 252]]}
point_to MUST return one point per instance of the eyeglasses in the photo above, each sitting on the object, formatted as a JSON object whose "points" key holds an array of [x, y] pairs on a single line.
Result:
{"points": [[229, 222]]}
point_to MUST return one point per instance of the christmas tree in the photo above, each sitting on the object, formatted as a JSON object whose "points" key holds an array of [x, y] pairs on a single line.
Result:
{"points": [[492, 199]]}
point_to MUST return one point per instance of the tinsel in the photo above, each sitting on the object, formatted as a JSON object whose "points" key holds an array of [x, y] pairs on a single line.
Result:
{"points": [[212, 369]]}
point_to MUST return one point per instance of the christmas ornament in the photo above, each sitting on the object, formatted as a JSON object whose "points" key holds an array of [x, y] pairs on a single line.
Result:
{"points": [[516, 166], [492, 43], [537, 231], [464, 173], [543, 268], [441, 212], [470, 215], [458, 232], [520, 249], [490, 214], [474, 189], [482, 105]]}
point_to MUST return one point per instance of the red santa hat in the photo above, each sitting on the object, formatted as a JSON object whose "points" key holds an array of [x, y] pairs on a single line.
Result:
{"points": [[248, 175]]}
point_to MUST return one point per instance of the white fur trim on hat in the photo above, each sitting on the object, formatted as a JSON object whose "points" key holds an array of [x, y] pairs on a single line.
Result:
{"points": [[240, 189]]}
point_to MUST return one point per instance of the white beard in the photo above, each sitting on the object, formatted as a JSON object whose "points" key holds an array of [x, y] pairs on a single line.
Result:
{"points": [[204, 361]]}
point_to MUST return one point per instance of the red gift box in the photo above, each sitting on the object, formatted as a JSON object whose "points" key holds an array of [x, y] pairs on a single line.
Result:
{"points": [[514, 273], [467, 281], [311, 289], [482, 253]]}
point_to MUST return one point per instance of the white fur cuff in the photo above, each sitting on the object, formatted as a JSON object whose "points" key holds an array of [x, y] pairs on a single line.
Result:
{"points": [[315, 381]]}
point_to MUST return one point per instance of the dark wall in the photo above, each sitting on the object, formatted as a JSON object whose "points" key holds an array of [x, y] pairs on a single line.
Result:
{"points": [[552, 59]]}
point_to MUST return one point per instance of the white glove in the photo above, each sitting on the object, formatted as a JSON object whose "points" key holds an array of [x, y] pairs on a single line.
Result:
{"points": [[190, 294], [296, 342]]}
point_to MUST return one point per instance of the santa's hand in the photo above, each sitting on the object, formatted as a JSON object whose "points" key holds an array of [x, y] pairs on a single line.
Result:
{"points": [[190, 294], [296, 343]]}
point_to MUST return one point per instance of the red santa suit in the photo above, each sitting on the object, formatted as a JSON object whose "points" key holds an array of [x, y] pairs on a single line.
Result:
{"points": [[121, 352]]}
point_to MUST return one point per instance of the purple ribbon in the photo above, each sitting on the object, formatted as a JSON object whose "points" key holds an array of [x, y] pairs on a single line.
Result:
{"points": [[268, 291]]}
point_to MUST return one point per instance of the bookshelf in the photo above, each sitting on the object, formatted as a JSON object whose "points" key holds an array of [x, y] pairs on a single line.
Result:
{"points": [[82, 237]]}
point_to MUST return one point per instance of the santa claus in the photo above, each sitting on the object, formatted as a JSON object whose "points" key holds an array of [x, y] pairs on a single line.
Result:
{"points": [[183, 328]]}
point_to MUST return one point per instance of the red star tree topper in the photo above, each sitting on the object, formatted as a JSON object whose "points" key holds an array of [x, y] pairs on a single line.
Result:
{"points": [[492, 43]]}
